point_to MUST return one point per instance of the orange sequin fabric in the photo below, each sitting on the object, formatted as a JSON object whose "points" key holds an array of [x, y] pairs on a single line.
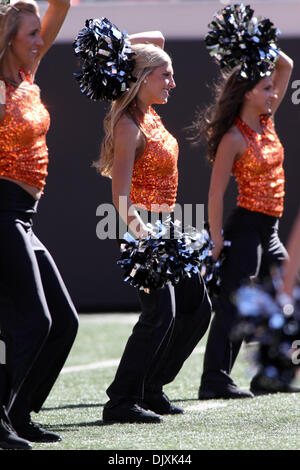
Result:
{"points": [[155, 173], [23, 149], [259, 172]]}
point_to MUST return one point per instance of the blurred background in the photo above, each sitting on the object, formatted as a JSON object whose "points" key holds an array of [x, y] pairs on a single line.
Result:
{"points": [[67, 217]]}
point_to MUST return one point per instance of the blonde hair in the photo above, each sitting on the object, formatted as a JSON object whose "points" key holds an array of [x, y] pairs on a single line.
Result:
{"points": [[147, 58], [10, 20]]}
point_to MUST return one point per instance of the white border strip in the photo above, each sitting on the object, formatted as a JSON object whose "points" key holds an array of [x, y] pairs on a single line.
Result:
{"points": [[176, 19]]}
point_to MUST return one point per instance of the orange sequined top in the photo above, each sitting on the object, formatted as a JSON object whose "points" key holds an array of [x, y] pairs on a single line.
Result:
{"points": [[155, 173], [23, 149], [259, 172]]}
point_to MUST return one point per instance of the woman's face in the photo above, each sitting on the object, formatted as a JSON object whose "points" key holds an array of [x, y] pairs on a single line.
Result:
{"points": [[159, 83], [262, 96], [26, 44]]}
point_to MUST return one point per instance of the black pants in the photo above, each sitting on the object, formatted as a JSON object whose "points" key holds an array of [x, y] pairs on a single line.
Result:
{"points": [[255, 247], [172, 322], [37, 318]]}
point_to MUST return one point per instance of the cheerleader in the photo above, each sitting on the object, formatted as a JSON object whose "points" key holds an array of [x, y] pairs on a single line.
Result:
{"points": [[38, 320], [242, 141], [140, 156]]}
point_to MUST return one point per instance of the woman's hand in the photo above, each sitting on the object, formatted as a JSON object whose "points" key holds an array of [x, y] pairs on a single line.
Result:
{"points": [[219, 244], [142, 231]]}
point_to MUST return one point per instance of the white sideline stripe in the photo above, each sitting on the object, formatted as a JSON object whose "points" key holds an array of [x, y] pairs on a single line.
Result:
{"points": [[93, 365], [108, 363], [205, 406]]}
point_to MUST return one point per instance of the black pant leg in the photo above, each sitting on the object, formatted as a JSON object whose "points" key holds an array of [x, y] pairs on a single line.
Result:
{"points": [[274, 252], [55, 350], [242, 262], [193, 312], [4, 384], [24, 316], [158, 311]]}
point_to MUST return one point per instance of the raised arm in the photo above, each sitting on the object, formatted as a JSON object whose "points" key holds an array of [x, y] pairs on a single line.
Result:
{"points": [[51, 24], [228, 149], [154, 37], [281, 76]]}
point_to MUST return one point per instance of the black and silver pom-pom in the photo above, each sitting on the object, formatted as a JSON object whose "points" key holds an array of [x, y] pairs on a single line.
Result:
{"points": [[211, 270], [275, 325], [238, 38], [157, 259], [106, 60]]}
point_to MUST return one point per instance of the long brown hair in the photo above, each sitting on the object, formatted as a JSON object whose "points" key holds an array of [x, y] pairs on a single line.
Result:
{"points": [[214, 121]]}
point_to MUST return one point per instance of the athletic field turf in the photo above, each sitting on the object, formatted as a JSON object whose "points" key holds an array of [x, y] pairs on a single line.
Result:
{"points": [[74, 407]]}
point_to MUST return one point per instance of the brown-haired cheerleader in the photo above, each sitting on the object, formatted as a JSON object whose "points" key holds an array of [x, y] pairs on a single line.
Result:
{"points": [[240, 133]]}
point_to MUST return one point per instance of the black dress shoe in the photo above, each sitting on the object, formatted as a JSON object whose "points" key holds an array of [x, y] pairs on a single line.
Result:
{"points": [[230, 392], [262, 385], [160, 404], [128, 412], [35, 433], [8, 437]]}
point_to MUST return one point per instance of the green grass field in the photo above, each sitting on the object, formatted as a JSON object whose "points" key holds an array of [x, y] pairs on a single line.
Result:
{"points": [[74, 407]]}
